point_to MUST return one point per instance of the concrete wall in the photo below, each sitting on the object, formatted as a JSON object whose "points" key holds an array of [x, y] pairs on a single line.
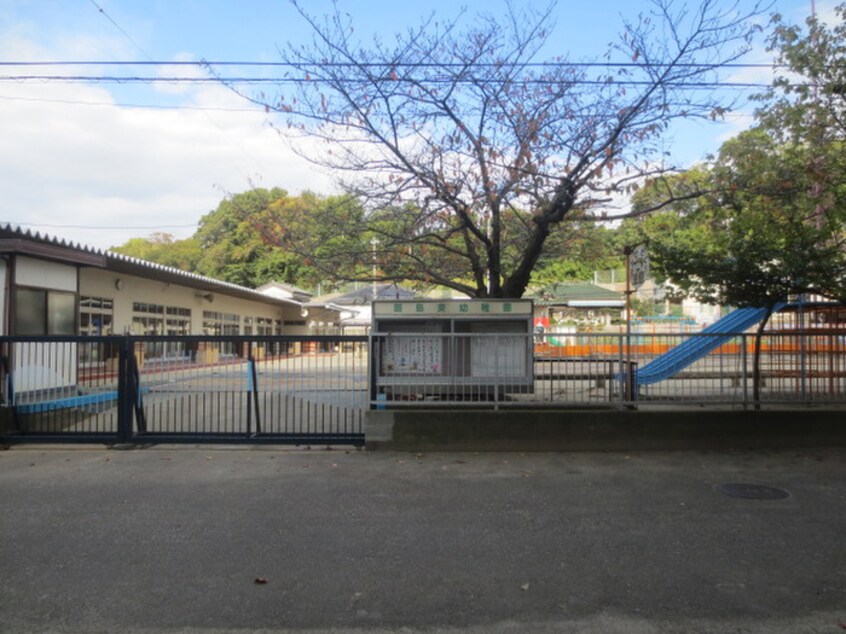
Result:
{"points": [[601, 430]]}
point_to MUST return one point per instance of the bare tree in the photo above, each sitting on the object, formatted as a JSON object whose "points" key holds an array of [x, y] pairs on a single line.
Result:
{"points": [[469, 152]]}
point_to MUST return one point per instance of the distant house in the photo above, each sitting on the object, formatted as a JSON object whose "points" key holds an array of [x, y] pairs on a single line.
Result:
{"points": [[54, 287], [354, 305], [285, 291], [579, 301]]}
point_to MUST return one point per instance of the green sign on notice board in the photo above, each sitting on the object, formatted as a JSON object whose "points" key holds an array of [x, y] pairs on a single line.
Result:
{"points": [[451, 308]]}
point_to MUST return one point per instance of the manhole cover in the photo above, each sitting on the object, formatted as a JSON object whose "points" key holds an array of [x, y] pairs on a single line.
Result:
{"points": [[752, 491]]}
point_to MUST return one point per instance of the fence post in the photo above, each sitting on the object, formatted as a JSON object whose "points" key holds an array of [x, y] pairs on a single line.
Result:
{"points": [[125, 393], [250, 387], [496, 342], [372, 360], [631, 384], [744, 370], [256, 409], [621, 372]]}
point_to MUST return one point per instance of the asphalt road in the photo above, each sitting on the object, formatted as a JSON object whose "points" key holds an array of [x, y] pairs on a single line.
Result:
{"points": [[237, 540]]}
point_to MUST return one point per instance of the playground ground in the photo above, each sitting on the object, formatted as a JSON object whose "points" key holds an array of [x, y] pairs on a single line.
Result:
{"points": [[229, 540]]}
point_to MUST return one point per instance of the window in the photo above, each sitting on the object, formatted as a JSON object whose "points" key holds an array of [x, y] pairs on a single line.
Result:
{"points": [[178, 321], [216, 324], [156, 319], [44, 312], [264, 325], [96, 316], [147, 319]]}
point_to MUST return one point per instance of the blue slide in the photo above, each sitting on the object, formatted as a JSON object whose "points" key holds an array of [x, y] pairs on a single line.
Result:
{"points": [[694, 348]]}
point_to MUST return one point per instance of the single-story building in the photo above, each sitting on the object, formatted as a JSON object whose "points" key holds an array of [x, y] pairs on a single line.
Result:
{"points": [[53, 287], [579, 301], [285, 291], [355, 305]]}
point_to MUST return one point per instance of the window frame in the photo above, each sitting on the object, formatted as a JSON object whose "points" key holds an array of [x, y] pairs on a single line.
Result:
{"points": [[47, 327]]}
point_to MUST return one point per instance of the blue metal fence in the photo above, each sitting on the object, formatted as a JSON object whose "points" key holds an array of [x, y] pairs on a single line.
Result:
{"points": [[300, 390], [316, 390]]}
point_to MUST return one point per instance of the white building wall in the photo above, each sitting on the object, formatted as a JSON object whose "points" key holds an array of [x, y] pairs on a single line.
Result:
{"points": [[30, 373], [124, 290], [42, 274], [703, 314], [4, 293]]}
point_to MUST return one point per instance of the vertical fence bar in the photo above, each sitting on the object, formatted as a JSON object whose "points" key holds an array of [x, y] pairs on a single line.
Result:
{"points": [[125, 405], [744, 370], [620, 377], [250, 387], [319, 393]]}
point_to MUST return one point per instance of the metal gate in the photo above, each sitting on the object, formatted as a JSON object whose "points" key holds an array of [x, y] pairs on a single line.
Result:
{"points": [[247, 389]]}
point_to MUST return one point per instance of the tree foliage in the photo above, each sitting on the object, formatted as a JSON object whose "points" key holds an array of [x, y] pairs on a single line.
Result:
{"points": [[770, 223], [233, 249], [755, 239], [767, 219], [807, 100], [778, 220], [263, 235], [238, 241], [575, 254], [163, 248], [468, 153]]}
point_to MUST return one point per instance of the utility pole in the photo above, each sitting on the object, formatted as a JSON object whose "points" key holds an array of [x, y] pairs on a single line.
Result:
{"points": [[373, 244]]}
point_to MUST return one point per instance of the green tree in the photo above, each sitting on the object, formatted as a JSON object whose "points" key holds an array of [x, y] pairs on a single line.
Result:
{"points": [[574, 252], [768, 218], [491, 150], [325, 237], [236, 250], [164, 249], [807, 101], [242, 242], [666, 208], [755, 239]]}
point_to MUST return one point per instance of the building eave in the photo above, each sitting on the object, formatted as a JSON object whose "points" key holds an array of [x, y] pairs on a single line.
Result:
{"points": [[25, 242], [53, 252]]}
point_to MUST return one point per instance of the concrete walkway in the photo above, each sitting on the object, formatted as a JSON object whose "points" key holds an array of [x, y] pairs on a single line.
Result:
{"points": [[224, 540]]}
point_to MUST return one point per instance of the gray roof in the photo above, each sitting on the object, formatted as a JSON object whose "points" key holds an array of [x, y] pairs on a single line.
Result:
{"points": [[363, 296], [576, 291], [25, 242], [300, 294]]}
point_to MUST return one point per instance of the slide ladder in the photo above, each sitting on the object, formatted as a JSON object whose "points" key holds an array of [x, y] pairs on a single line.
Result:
{"points": [[694, 348]]}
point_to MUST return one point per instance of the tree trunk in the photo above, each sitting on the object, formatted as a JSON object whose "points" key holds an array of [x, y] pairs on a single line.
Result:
{"points": [[516, 284]]}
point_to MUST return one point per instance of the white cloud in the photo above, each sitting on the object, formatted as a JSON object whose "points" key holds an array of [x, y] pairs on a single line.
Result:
{"points": [[68, 163]]}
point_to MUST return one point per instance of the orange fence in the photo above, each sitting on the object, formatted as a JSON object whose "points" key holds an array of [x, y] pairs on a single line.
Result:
{"points": [[604, 350]]}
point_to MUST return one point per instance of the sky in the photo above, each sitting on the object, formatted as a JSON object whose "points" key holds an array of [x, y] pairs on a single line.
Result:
{"points": [[100, 163]]}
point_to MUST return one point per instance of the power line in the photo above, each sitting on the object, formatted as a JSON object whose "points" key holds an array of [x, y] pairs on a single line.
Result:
{"points": [[223, 131], [97, 227], [112, 104], [119, 28], [398, 65], [116, 79], [209, 66]]}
